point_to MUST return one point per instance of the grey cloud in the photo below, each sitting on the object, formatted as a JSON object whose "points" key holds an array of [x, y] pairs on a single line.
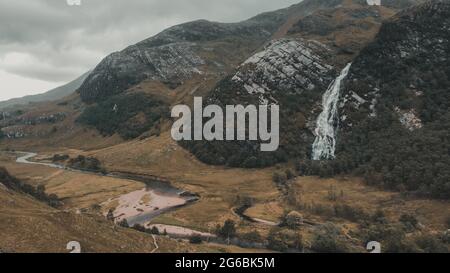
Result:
{"points": [[64, 40]]}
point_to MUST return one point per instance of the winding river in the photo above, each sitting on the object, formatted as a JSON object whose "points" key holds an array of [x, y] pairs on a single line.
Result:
{"points": [[163, 198]]}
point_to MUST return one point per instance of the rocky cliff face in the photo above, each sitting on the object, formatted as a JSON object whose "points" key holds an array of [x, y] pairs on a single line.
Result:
{"points": [[168, 63], [285, 65]]}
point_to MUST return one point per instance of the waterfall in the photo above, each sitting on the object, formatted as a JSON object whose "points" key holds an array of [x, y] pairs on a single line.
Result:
{"points": [[325, 143]]}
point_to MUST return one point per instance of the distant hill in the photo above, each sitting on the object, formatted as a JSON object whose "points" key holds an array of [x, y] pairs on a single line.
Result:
{"points": [[54, 94]]}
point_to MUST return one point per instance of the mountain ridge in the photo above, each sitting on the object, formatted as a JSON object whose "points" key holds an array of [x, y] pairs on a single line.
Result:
{"points": [[51, 95], [190, 48]]}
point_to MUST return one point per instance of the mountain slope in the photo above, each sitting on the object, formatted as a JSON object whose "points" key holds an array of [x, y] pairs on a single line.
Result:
{"points": [[394, 115], [293, 72], [181, 62], [52, 95], [27, 225], [183, 51]]}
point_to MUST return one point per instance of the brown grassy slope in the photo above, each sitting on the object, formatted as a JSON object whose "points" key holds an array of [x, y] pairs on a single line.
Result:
{"points": [[346, 29], [313, 192], [27, 225], [51, 136]]}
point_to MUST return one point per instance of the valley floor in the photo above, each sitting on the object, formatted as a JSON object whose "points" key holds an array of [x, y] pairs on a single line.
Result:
{"points": [[220, 190]]}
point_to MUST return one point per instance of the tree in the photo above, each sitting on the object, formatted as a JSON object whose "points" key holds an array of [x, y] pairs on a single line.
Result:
{"points": [[283, 240], [294, 220], [252, 236], [196, 239], [154, 231], [124, 223], [110, 215], [431, 244], [279, 178], [139, 228], [276, 241], [228, 230], [409, 221], [328, 240], [40, 192], [289, 174]]}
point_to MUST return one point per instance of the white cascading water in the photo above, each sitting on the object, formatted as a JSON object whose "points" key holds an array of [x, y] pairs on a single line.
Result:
{"points": [[325, 144]]}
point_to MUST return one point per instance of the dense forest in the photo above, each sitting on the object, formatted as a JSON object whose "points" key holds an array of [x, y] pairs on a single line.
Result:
{"points": [[405, 70], [128, 115]]}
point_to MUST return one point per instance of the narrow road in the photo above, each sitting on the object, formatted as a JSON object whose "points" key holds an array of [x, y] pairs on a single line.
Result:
{"points": [[156, 244], [25, 160]]}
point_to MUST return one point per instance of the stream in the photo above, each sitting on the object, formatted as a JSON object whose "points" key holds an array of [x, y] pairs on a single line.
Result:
{"points": [[163, 197]]}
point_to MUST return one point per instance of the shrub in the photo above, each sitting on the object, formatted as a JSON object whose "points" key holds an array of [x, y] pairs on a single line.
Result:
{"points": [[350, 213], [81, 162], [446, 237], [58, 157], [228, 230], [398, 245], [328, 240], [110, 215], [283, 240], [252, 236], [123, 223], [289, 174], [279, 178], [293, 220], [196, 239], [139, 228], [155, 231], [409, 221], [431, 244]]}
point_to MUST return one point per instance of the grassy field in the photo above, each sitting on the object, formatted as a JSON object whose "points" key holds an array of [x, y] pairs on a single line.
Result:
{"points": [[27, 225], [220, 189], [354, 193], [30, 226]]}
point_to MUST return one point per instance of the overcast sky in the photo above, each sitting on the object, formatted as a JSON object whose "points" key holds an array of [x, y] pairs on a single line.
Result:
{"points": [[46, 43]]}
